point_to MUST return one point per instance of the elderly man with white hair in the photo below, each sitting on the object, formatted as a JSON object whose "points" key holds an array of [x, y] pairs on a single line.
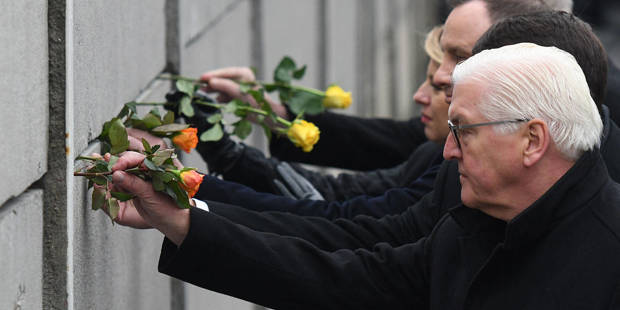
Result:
{"points": [[539, 227]]}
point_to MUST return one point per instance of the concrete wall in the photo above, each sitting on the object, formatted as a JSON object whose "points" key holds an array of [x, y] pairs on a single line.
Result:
{"points": [[70, 66]]}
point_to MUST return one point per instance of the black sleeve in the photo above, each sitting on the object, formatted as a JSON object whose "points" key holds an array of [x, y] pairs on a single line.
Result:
{"points": [[362, 231], [414, 223], [375, 183], [355, 143], [393, 201], [290, 273], [612, 97]]}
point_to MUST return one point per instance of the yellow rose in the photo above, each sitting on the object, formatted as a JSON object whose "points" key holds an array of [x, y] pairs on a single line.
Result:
{"points": [[303, 134], [337, 98]]}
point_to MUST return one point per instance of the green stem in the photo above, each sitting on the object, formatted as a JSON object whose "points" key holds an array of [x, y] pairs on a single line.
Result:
{"points": [[97, 174], [150, 103], [84, 157], [294, 87]]}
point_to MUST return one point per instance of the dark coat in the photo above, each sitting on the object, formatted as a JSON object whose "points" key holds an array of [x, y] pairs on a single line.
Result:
{"points": [[355, 143], [562, 252], [414, 223]]}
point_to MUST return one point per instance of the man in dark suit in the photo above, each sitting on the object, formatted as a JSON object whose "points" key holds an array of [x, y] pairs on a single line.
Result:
{"points": [[538, 227]]}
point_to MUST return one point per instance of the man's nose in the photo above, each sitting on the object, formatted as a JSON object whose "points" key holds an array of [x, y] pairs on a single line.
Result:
{"points": [[450, 148]]}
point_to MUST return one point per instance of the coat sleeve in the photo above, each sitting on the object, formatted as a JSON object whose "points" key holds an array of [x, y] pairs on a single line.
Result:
{"points": [[362, 231], [290, 273], [384, 143], [375, 183], [393, 201]]}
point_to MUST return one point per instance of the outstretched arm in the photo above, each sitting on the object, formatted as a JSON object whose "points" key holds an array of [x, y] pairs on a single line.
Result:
{"points": [[290, 273]]}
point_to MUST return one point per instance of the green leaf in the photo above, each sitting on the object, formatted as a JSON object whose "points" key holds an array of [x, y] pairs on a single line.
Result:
{"points": [[98, 198], [242, 129], [151, 165], [185, 107], [169, 118], [151, 121], [306, 102], [147, 146], [118, 137], [99, 180], [232, 106], [284, 71], [169, 128], [214, 134], [299, 73], [215, 118], [267, 131], [132, 106], [105, 131], [113, 160], [160, 156], [181, 195], [155, 147], [185, 87], [270, 88], [122, 196], [158, 184], [113, 208], [258, 95], [155, 111], [244, 87]]}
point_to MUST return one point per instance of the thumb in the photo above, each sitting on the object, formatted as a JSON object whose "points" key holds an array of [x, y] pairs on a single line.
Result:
{"points": [[133, 184]]}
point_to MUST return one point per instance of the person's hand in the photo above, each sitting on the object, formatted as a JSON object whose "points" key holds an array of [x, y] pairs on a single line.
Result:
{"points": [[224, 82], [135, 137], [155, 209]]}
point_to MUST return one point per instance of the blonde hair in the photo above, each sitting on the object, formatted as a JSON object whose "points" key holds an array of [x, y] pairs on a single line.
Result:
{"points": [[431, 44]]}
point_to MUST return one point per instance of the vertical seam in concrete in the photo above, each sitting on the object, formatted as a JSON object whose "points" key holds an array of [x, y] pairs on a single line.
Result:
{"points": [[256, 31], [173, 37], [392, 57], [55, 180], [323, 43], [69, 91], [365, 61]]}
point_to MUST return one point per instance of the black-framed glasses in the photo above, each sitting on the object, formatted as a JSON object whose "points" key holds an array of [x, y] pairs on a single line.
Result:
{"points": [[455, 128]]}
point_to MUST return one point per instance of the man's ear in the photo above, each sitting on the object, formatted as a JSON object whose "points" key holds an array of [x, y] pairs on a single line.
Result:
{"points": [[538, 139]]}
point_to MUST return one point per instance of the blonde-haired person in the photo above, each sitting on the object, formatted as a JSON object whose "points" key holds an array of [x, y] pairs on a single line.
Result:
{"points": [[385, 191]]}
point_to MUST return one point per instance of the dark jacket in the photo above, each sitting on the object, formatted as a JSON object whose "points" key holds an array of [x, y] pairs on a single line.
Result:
{"points": [[414, 223], [562, 252], [355, 143]]}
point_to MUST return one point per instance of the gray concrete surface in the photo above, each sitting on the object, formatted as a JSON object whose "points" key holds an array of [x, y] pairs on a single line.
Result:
{"points": [[21, 228], [119, 46], [23, 61]]}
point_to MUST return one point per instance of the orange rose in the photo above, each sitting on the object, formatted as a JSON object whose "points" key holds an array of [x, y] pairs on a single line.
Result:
{"points": [[191, 182], [186, 139]]}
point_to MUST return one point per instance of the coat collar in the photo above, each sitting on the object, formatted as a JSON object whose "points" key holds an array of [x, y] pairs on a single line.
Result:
{"points": [[572, 191]]}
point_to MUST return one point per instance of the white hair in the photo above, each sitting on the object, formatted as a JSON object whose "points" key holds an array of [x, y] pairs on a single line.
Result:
{"points": [[560, 5], [527, 81]]}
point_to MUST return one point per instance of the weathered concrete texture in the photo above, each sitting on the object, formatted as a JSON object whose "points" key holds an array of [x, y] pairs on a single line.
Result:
{"points": [[215, 34], [119, 46], [114, 267], [341, 51], [23, 61], [199, 298], [290, 28], [394, 86], [21, 228]]}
